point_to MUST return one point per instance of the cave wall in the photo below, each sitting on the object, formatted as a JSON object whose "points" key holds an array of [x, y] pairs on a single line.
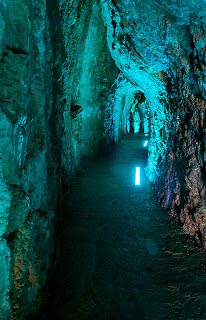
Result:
{"points": [[88, 74], [160, 46], [182, 183], [120, 99], [56, 71], [131, 41], [62, 96], [28, 191]]}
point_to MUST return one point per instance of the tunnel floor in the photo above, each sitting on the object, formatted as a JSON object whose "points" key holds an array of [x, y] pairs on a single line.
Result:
{"points": [[121, 255]]}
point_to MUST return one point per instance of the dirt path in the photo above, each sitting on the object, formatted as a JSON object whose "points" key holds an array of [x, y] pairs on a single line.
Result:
{"points": [[122, 256]]}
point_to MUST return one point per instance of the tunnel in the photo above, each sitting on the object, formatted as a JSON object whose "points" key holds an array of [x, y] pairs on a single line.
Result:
{"points": [[103, 160]]}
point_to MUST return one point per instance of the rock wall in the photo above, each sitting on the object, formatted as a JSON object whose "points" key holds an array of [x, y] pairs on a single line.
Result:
{"points": [[184, 179], [56, 72], [28, 190], [130, 40], [120, 99], [88, 74], [160, 46], [181, 180]]}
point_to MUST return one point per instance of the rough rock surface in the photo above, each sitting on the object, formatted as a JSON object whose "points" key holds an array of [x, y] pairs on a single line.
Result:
{"points": [[71, 72], [28, 190], [88, 73], [54, 83], [160, 47]]}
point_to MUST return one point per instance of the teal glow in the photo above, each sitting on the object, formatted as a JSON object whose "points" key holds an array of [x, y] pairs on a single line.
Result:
{"points": [[145, 144], [137, 178]]}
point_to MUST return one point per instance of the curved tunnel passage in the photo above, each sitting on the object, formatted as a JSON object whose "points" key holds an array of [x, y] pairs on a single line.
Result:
{"points": [[71, 73]]}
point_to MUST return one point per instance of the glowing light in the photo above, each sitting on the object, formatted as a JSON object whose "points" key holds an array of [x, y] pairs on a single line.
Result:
{"points": [[145, 144], [137, 179]]}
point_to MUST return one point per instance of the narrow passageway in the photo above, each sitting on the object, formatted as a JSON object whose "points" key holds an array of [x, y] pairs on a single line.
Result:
{"points": [[78, 238], [121, 256]]}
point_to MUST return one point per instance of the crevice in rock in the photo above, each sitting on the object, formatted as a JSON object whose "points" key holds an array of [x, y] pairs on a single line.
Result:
{"points": [[16, 50]]}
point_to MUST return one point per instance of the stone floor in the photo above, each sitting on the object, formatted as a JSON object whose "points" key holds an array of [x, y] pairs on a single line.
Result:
{"points": [[122, 257]]}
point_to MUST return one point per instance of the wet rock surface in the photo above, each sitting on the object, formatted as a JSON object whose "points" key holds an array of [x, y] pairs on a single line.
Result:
{"points": [[121, 256]]}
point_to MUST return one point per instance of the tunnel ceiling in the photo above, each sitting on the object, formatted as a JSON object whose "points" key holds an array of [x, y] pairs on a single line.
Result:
{"points": [[151, 39]]}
